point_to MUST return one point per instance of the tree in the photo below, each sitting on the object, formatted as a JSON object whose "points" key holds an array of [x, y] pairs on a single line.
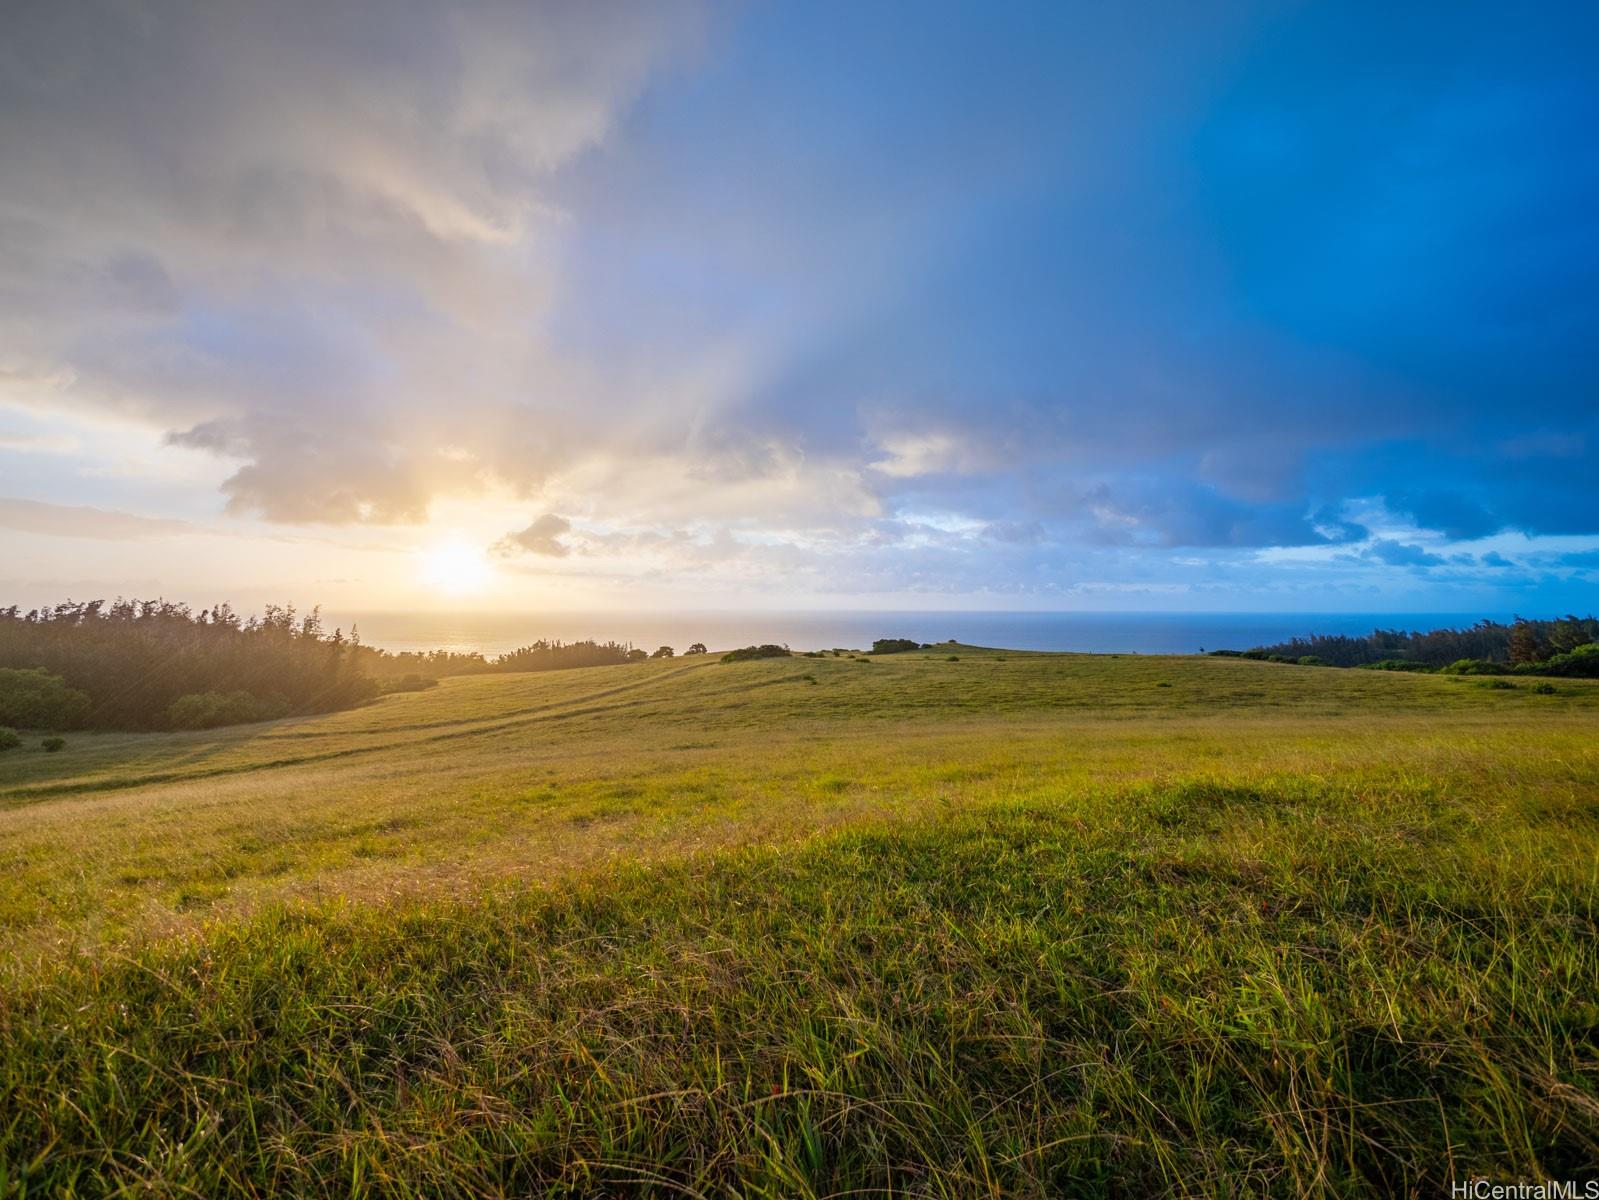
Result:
{"points": [[1525, 644], [663, 652], [697, 648]]}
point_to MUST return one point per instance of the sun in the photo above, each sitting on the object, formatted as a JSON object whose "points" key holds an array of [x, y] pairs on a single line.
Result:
{"points": [[457, 568]]}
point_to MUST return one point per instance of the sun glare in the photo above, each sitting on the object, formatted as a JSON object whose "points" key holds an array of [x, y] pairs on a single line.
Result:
{"points": [[456, 568]]}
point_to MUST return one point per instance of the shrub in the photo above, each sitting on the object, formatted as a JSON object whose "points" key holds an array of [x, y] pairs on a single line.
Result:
{"points": [[1545, 689], [208, 710], [1581, 663], [894, 645], [35, 699], [748, 652], [664, 652], [1395, 664], [1163, 683], [1310, 660], [953, 658], [1472, 666], [52, 744], [696, 648], [1500, 684], [9, 739], [637, 655]]}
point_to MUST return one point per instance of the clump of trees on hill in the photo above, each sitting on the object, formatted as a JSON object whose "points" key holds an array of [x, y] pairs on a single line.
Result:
{"points": [[151, 664], [896, 645], [542, 655], [748, 652], [1567, 646]]}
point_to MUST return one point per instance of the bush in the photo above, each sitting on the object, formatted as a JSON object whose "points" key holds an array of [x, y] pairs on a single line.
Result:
{"points": [[1395, 664], [664, 652], [1310, 660], [748, 652], [35, 699], [1581, 663], [10, 739], [953, 658], [1500, 684], [1472, 666], [208, 710], [52, 744], [1545, 689], [894, 645]]}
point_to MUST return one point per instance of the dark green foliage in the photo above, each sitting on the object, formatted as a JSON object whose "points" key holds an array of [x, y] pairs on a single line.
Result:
{"points": [[1544, 689], [894, 645], [1500, 684], [542, 655], [36, 699], [52, 744], [1395, 664], [135, 659], [10, 739], [664, 652], [1536, 641], [1472, 666], [211, 710], [697, 648], [1581, 662], [748, 652], [1493, 641], [1310, 660], [556, 655], [953, 658]]}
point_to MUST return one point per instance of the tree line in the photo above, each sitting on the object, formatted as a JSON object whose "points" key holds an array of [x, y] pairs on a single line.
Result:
{"points": [[1524, 644], [154, 664]]}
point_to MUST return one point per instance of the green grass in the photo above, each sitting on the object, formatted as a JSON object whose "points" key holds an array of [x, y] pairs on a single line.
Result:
{"points": [[1007, 925]]}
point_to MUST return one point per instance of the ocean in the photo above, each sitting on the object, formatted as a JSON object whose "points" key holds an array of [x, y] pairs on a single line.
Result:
{"points": [[1097, 632]]}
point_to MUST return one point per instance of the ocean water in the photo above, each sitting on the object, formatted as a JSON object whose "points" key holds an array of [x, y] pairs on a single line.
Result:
{"points": [[1097, 632]]}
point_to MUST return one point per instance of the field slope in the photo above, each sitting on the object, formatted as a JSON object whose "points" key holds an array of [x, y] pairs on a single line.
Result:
{"points": [[950, 923]]}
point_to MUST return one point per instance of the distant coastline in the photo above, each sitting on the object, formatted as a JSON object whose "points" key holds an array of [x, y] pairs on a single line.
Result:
{"points": [[1088, 632]]}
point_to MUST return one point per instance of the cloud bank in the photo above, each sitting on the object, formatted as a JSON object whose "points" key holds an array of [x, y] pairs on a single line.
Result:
{"points": [[1022, 303]]}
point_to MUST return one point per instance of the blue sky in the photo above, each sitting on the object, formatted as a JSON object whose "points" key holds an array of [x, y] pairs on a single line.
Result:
{"points": [[1264, 306]]}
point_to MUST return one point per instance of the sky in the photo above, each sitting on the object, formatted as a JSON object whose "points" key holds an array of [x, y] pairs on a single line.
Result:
{"points": [[1222, 307]]}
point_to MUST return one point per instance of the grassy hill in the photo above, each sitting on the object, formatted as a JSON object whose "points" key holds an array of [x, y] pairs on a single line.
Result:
{"points": [[1009, 924]]}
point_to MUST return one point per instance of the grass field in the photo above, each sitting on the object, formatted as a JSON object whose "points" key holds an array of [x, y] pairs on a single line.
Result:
{"points": [[1007, 925]]}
